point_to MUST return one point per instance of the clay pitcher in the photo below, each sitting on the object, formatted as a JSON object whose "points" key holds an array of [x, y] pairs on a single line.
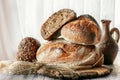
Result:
{"points": [[108, 45]]}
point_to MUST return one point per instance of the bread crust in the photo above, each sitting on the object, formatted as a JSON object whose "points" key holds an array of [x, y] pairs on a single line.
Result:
{"points": [[82, 31], [50, 29], [64, 53], [87, 16]]}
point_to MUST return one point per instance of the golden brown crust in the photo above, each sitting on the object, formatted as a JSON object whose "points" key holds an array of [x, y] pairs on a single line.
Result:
{"points": [[50, 29], [58, 53], [87, 16], [82, 31], [27, 49]]}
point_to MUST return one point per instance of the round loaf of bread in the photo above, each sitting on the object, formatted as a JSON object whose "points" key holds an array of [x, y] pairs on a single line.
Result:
{"points": [[50, 29], [27, 49], [82, 31], [62, 53]]}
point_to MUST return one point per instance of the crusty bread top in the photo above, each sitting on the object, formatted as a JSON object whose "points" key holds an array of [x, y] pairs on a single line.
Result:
{"points": [[87, 16], [55, 22], [61, 52], [82, 31]]}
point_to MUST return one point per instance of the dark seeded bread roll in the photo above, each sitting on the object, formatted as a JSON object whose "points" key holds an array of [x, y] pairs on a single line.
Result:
{"points": [[55, 22], [27, 49]]}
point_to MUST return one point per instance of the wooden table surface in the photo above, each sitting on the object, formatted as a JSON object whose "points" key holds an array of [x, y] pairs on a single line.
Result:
{"points": [[115, 75]]}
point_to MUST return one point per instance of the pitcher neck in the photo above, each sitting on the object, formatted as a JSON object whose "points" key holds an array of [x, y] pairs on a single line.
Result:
{"points": [[105, 27]]}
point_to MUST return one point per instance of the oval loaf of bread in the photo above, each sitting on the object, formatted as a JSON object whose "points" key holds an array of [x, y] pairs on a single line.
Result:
{"points": [[82, 31], [63, 53]]}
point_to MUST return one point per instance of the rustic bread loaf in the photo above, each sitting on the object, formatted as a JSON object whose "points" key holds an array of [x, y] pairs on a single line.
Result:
{"points": [[50, 29], [27, 49], [62, 53], [82, 31]]}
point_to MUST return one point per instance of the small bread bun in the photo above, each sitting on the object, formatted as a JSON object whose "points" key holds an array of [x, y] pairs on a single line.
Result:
{"points": [[50, 29], [68, 54], [82, 31], [27, 49]]}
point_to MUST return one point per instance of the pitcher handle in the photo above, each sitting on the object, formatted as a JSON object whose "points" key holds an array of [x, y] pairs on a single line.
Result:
{"points": [[117, 32]]}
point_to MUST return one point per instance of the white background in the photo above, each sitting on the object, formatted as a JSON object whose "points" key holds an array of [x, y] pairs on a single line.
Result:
{"points": [[22, 18]]}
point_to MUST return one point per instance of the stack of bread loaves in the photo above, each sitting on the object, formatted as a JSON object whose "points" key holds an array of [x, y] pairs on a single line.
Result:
{"points": [[75, 42], [70, 51], [71, 48]]}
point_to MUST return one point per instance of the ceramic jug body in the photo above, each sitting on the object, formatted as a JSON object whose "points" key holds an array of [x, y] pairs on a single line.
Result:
{"points": [[108, 45]]}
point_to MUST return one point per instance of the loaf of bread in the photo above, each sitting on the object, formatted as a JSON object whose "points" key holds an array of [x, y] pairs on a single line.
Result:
{"points": [[82, 31], [63, 53], [27, 49], [50, 29]]}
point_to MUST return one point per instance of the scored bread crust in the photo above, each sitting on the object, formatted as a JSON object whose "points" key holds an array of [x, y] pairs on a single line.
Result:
{"points": [[82, 31], [62, 53], [55, 22], [87, 16]]}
